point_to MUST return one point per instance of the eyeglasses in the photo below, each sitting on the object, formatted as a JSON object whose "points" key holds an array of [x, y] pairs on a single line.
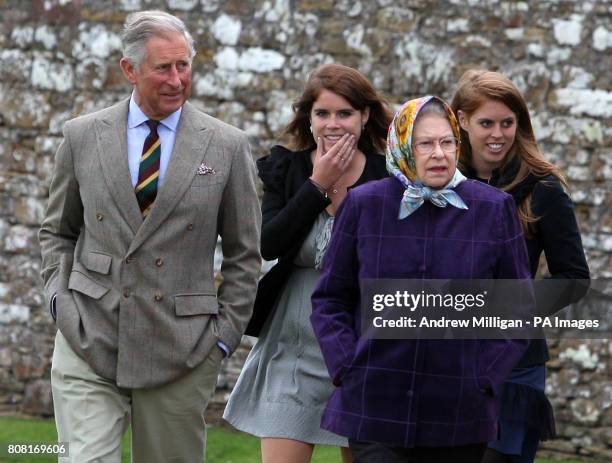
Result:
{"points": [[426, 147]]}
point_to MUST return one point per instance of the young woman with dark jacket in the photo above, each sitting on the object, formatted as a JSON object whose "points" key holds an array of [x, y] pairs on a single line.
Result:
{"points": [[498, 147], [337, 136]]}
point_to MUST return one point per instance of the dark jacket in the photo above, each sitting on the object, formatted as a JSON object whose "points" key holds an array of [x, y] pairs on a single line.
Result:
{"points": [[433, 393], [290, 207], [557, 235]]}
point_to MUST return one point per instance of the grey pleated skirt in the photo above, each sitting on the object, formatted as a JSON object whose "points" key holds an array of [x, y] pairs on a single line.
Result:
{"points": [[284, 385]]}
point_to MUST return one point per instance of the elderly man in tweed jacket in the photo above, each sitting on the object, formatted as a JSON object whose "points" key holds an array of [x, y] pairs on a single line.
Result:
{"points": [[139, 195]]}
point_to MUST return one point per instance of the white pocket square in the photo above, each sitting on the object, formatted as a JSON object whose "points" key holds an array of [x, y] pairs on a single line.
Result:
{"points": [[205, 170]]}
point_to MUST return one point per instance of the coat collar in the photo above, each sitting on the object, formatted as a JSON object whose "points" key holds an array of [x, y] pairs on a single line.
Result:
{"points": [[111, 134], [504, 175]]}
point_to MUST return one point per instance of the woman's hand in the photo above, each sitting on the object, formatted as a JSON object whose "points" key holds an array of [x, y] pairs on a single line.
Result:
{"points": [[328, 167]]}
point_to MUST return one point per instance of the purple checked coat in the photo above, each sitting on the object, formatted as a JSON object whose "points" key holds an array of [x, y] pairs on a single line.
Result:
{"points": [[414, 393]]}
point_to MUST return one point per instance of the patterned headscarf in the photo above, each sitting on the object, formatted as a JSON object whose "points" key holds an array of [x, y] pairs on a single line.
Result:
{"points": [[400, 160]]}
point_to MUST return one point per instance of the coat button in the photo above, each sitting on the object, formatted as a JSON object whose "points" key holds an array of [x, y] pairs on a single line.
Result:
{"points": [[126, 292], [159, 261], [99, 217], [190, 227], [158, 297], [129, 259]]}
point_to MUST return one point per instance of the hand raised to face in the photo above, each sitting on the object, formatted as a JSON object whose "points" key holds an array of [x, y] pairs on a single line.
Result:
{"points": [[329, 166]]}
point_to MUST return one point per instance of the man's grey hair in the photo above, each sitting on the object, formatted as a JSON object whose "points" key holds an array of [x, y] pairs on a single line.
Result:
{"points": [[141, 26]]}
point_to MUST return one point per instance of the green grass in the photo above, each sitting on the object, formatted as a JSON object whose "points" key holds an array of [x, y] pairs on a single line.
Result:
{"points": [[223, 446]]}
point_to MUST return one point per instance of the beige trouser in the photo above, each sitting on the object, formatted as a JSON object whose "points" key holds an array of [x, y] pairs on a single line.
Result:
{"points": [[92, 413]]}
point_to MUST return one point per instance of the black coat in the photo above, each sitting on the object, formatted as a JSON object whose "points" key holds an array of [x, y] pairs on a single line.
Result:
{"points": [[290, 207], [557, 235]]}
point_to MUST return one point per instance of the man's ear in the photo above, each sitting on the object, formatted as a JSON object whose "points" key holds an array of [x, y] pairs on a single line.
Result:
{"points": [[129, 71], [463, 122]]}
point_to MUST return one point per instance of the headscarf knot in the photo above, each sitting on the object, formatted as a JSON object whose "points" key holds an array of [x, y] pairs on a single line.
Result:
{"points": [[401, 164]]}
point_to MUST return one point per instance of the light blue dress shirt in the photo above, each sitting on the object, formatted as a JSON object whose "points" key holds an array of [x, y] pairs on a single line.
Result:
{"points": [[138, 131]]}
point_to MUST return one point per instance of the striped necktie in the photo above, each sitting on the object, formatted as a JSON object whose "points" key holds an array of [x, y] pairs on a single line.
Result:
{"points": [[148, 172]]}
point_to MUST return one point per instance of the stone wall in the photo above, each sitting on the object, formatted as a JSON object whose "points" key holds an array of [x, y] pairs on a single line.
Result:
{"points": [[58, 59]]}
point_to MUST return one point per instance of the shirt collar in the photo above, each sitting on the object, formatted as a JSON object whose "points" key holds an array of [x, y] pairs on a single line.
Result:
{"points": [[137, 117]]}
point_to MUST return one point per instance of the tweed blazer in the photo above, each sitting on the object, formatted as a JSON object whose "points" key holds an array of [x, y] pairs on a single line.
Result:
{"points": [[413, 393], [136, 298]]}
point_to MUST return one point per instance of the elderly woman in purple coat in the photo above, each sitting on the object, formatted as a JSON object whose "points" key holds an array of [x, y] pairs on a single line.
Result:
{"points": [[416, 400]]}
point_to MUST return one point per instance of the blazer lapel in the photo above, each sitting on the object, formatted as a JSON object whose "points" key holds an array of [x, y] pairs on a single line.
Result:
{"points": [[111, 132], [192, 141]]}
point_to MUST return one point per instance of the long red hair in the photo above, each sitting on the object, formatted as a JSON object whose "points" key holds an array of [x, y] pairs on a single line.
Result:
{"points": [[474, 88]]}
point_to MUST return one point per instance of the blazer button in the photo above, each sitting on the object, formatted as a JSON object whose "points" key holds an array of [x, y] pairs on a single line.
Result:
{"points": [[190, 227], [126, 292], [129, 259], [159, 261], [99, 217], [158, 297]]}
